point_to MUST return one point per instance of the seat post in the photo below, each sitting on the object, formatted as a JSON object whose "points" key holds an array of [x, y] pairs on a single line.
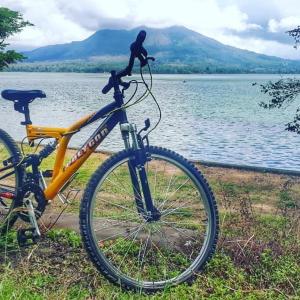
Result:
{"points": [[27, 116], [23, 108]]}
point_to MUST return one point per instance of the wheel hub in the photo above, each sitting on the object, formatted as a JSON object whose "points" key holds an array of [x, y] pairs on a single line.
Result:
{"points": [[154, 215]]}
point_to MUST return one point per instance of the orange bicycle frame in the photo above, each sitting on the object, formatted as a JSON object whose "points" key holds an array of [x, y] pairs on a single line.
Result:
{"points": [[62, 173]]}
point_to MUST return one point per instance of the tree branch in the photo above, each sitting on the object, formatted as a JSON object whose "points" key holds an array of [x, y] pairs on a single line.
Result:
{"points": [[295, 34], [285, 91]]}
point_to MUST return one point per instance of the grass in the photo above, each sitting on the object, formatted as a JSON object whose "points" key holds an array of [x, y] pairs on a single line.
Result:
{"points": [[58, 267], [258, 254]]}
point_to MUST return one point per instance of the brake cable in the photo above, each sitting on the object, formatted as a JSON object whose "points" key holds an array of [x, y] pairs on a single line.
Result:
{"points": [[153, 97]]}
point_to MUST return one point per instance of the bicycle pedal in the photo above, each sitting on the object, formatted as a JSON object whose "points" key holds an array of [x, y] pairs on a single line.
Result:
{"points": [[27, 237]]}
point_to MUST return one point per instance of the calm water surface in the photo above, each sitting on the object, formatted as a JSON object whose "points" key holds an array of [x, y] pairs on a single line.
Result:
{"points": [[205, 117]]}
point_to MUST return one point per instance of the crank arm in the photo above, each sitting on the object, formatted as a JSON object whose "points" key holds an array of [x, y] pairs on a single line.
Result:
{"points": [[32, 217]]}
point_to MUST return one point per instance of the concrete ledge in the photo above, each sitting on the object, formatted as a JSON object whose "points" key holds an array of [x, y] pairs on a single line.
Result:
{"points": [[249, 168]]}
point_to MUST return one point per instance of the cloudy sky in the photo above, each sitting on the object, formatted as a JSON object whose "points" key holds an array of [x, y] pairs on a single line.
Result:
{"points": [[257, 25]]}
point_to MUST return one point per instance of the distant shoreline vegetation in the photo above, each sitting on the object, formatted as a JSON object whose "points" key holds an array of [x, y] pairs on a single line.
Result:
{"points": [[82, 66], [178, 50]]}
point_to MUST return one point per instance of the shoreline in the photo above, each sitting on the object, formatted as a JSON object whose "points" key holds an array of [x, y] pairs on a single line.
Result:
{"points": [[153, 73], [213, 164]]}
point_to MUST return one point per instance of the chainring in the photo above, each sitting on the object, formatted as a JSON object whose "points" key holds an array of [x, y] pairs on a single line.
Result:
{"points": [[36, 195]]}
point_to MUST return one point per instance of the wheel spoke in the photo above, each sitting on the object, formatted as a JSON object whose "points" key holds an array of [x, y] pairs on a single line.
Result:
{"points": [[163, 234], [129, 248], [179, 230], [170, 210], [183, 223], [153, 251], [166, 193], [120, 206], [127, 193], [142, 252], [120, 222], [125, 237], [122, 183], [155, 182], [161, 206]]}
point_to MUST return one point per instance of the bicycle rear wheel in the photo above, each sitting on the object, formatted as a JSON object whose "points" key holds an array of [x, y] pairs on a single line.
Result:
{"points": [[10, 180], [141, 255]]}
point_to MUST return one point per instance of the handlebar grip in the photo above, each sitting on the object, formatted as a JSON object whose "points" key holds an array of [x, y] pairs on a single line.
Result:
{"points": [[141, 37], [137, 50], [136, 47], [107, 88]]}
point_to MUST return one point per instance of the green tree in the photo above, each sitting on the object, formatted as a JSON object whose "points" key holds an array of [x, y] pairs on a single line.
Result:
{"points": [[285, 91], [11, 22]]}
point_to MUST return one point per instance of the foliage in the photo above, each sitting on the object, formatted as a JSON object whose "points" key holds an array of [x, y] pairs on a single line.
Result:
{"points": [[89, 66], [295, 33], [68, 237], [284, 91], [11, 22]]}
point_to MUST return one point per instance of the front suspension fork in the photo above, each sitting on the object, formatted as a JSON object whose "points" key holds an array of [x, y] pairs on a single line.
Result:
{"points": [[138, 174], [136, 188]]}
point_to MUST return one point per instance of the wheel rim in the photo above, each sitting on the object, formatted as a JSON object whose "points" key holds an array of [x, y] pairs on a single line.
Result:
{"points": [[158, 253], [8, 185]]}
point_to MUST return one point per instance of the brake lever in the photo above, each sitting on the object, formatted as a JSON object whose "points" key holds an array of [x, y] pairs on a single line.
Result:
{"points": [[145, 137], [146, 127], [144, 60], [124, 84]]}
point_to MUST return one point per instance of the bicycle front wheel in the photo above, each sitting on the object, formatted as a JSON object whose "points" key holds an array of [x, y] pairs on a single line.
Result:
{"points": [[141, 255]]}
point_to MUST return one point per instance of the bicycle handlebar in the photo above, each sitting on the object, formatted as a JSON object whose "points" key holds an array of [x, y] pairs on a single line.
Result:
{"points": [[136, 50]]}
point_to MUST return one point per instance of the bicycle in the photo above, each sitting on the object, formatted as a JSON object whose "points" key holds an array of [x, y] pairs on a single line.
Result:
{"points": [[148, 218]]}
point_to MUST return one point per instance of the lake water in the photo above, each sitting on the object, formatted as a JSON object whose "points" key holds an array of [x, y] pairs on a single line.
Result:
{"points": [[205, 117]]}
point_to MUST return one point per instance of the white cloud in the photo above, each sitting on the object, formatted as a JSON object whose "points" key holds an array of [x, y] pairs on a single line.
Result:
{"points": [[51, 26], [61, 21], [284, 24], [267, 47]]}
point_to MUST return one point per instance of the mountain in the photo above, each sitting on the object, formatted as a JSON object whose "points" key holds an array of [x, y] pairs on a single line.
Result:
{"points": [[174, 47]]}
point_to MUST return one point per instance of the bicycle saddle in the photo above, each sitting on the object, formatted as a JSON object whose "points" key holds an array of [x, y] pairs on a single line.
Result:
{"points": [[22, 96]]}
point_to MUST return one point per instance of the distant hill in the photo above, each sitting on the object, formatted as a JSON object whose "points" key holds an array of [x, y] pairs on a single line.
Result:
{"points": [[176, 48]]}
